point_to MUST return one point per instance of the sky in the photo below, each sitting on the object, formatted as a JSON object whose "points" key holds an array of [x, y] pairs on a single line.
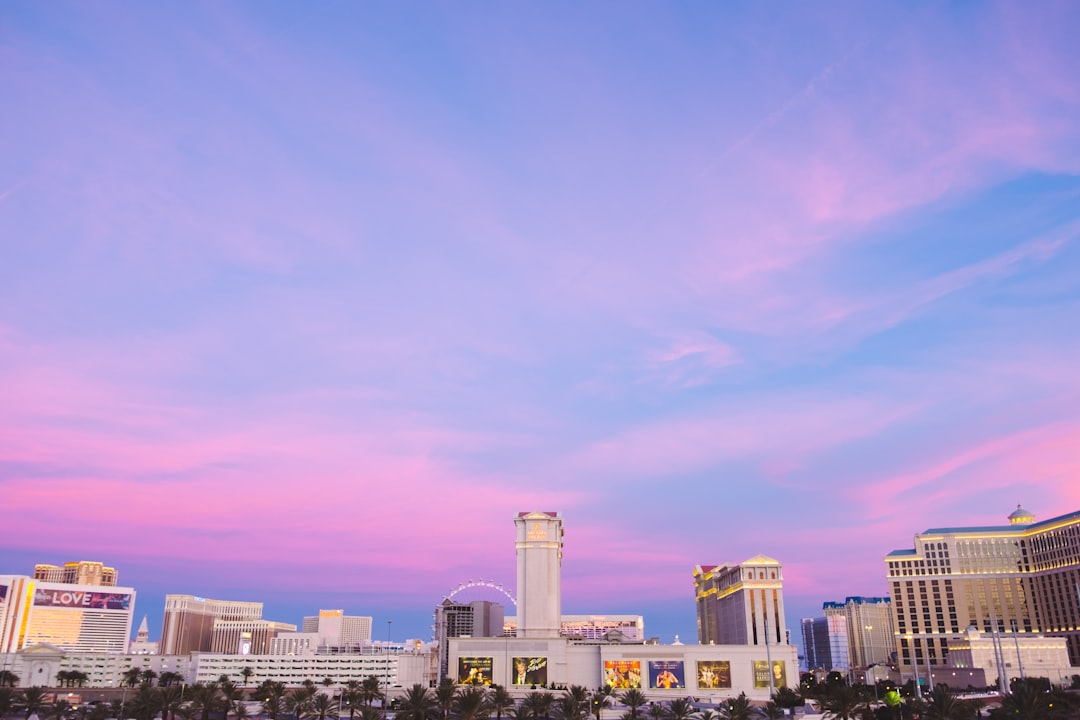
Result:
{"points": [[302, 303]]}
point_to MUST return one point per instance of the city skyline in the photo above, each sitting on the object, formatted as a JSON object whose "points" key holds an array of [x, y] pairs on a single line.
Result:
{"points": [[301, 305]]}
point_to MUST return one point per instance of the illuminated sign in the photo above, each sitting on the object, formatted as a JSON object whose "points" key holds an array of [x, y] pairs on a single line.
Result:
{"points": [[474, 670], [529, 671], [536, 532], [81, 599], [762, 674], [713, 674], [666, 674], [622, 674]]}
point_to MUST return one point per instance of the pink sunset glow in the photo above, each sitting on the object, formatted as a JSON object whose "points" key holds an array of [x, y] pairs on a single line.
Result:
{"points": [[302, 304]]}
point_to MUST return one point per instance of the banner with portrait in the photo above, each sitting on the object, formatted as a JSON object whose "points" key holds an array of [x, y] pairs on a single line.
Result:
{"points": [[764, 675], [529, 671], [3, 593], [622, 674], [474, 670], [666, 674], [713, 674]]}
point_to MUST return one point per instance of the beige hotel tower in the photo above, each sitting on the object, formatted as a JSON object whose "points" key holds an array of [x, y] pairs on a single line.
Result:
{"points": [[539, 572]]}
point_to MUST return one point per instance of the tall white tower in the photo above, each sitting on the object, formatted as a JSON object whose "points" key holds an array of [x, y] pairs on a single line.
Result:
{"points": [[539, 574]]}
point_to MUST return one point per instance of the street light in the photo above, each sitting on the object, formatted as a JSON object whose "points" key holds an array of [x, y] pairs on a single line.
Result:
{"points": [[386, 699], [914, 665]]}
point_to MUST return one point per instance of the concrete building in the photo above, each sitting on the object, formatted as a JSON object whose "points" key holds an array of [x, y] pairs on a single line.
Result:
{"points": [[815, 634], [870, 630], [336, 629], [1021, 578], [538, 656], [73, 618], [246, 637], [539, 574], [481, 618], [836, 624], [189, 621], [741, 604], [1003, 659], [591, 627], [142, 644], [82, 572]]}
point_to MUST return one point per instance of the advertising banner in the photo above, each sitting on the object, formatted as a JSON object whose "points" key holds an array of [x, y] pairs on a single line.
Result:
{"points": [[474, 670], [529, 671], [763, 674], [713, 674], [622, 674], [3, 593], [666, 674], [81, 599]]}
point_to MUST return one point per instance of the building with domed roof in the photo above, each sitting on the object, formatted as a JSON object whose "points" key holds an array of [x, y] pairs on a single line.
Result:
{"points": [[1011, 581]]}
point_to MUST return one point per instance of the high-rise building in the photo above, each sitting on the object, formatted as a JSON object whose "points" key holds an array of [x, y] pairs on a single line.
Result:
{"points": [[480, 618], [246, 637], [189, 621], [1021, 578], [75, 618], [741, 604], [83, 572], [539, 574], [836, 627], [336, 629], [870, 633], [815, 635]]}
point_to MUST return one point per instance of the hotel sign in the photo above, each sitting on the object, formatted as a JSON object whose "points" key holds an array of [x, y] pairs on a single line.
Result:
{"points": [[82, 599]]}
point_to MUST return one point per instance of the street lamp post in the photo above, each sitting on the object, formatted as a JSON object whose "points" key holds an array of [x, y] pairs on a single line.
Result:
{"points": [[914, 665], [386, 699]]}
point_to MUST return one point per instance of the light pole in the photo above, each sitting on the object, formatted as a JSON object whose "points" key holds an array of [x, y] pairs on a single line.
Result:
{"points": [[386, 699], [914, 665], [1016, 641]]}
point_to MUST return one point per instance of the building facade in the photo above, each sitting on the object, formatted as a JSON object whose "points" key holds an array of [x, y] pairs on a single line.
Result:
{"points": [[189, 621], [480, 618], [73, 618], [1020, 578], [82, 572], [741, 604], [336, 629], [246, 637], [836, 625], [591, 627], [870, 630], [539, 549]]}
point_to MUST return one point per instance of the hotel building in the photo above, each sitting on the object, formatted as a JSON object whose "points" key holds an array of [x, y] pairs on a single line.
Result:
{"points": [[741, 604], [189, 621], [75, 618], [538, 655], [83, 572], [1021, 578]]}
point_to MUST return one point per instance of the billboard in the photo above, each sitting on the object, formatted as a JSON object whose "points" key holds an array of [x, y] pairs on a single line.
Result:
{"points": [[529, 671], [763, 674], [474, 670], [3, 593], [666, 674], [713, 674], [81, 599], [622, 674]]}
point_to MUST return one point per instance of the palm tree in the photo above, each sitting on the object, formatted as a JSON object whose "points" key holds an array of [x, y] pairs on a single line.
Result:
{"points": [[8, 679], [633, 699], [599, 700], [32, 700], [132, 676], [539, 704], [273, 700], [501, 701], [736, 709], [843, 703], [787, 698], [444, 696], [655, 711], [171, 698], [241, 711], [146, 703], [7, 701], [230, 695], [298, 701], [371, 689], [471, 703], [58, 709], [943, 705], [417, 704], [681, 709], [204, 699], [247, 673], [771, 711], [321, 705], [370, 713]]}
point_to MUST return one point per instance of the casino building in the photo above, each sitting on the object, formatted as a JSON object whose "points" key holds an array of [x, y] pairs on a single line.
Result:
{"points": [[76, 618], [1010, 581], [539, 655]]}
